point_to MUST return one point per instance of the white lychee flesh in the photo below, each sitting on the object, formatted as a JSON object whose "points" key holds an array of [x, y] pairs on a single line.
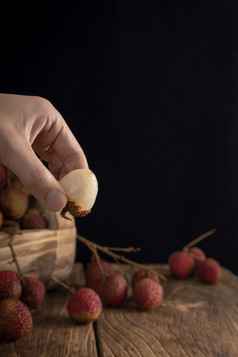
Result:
{"points": [[81, 187]]}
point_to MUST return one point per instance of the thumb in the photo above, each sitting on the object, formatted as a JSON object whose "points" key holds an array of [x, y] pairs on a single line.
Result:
{"points": [[37, 178]]}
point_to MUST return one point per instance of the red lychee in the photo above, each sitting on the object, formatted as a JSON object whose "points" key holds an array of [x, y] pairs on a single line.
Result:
{"points": [[10, 285], [84, 305], [142, 273], [147, 294], [33, 292], [15, 319], [15, 182], [113, 290], [209, 271], [181, 264], [94, 276], [33, 219], [3, 176], [13, 202], [198, 255]]}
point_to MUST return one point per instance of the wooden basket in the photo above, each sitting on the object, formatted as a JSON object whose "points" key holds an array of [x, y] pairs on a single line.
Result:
{"points": [[42, 253]]}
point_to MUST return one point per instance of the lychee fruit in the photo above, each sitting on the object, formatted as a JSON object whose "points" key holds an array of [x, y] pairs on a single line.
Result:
{"points": [[181, 264], [198, 255], [142, 273], [209, 271], [33, 292], [3, 177], [13, 202], [10, 285], [33, 219], [15, 182], [94, 275], [113, 290], [147, 294], [15, 319], [84, 305]]}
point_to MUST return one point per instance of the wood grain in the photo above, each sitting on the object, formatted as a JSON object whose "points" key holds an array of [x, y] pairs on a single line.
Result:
{"points": [[54, 333], [194, 319]]}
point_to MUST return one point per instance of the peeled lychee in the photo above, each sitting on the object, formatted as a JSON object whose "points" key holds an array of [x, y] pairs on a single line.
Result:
{"points": [[209, 271], [33, 292], [81, 188], [10, 285], [181, 264], [3, 176], [84, 305], [142, 273], [113, 290], [13, 202], [94, 275], [33, 219], [147, 294], [15, 319]]}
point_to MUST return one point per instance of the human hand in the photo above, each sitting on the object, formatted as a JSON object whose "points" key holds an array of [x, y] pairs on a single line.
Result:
{"points": [[31, 125]]}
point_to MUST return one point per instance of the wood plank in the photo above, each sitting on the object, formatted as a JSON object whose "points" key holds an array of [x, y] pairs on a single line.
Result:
{"points": [[194, 319], [54, 333]]}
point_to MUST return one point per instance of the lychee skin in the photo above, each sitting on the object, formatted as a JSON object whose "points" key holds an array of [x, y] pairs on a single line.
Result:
{"points": [[181, 264], [15, 319], [199, 253], [15, 182], [113, 291], [3, 177], [13, 203], [147, 294], [84, 305], [10, 285], [94, 276], [209, 271], [34, 220], [33, 292], [142, 273]]}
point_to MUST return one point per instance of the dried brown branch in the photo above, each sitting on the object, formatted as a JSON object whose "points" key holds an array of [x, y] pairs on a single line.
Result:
{"points": [[117, 256], [199, 238], [70, 288], [14, 257]]}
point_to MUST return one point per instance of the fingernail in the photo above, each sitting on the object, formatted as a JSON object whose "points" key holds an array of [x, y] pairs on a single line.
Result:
{"points": [[55, 200]]}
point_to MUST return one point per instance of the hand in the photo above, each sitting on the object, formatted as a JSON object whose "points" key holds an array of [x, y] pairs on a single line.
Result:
{"points": [[29, 126]]}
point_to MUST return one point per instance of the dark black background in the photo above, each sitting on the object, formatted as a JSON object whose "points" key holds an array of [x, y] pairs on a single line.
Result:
{"points": [[149, 89]]}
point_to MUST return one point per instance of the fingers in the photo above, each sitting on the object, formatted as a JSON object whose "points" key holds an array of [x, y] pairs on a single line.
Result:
{"points": [[35, 176], [60, 149]]}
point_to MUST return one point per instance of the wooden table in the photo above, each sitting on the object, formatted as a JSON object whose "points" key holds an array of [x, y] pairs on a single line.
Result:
{"points": [[193, 320]]}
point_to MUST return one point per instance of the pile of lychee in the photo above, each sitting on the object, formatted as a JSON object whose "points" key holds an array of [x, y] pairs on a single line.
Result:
{"points": [[193, 261], [107, 287], [18, 297], [15, 205]]}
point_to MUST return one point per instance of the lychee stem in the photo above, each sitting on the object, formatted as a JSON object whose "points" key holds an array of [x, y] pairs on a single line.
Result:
{"points": [[95, 252], [14, 257], [70, 288], [199, 238], [128, 250], [116, 256]]}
